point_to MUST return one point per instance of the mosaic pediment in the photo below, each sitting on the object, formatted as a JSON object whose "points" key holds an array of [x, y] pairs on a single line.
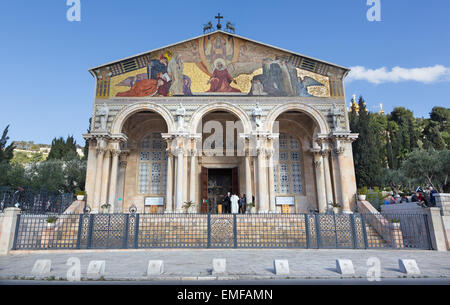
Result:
{"points": [[218, 64]]}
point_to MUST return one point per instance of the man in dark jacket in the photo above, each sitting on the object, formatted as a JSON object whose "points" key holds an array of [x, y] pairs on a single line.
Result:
{"points": [[227, 203]]}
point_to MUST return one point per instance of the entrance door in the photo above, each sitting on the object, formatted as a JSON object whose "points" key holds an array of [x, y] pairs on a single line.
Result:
{"points": [[216, 183]]}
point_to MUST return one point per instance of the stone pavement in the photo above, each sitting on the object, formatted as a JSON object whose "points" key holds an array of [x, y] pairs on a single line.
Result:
{"points": [[249, 264]]}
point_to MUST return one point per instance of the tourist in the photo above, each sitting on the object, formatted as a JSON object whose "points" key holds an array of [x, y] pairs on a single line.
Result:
{"points": [[404, 199], [388, 200], [227, 203], [415, 197], [433, 192], [234, 204], [242, 204], [396, 199]]}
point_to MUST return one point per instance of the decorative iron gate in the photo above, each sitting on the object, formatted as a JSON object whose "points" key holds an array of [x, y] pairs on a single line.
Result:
{"points": [[222, 231], [121, 231]]}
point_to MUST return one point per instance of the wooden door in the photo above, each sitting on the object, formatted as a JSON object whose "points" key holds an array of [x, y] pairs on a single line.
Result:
{"points": [[235, 181], [204, 203]]}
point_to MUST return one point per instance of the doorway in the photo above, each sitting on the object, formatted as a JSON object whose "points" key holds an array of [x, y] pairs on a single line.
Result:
{"points": [[216, 183]]}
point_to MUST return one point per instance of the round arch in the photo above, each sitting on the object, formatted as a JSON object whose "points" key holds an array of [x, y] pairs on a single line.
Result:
{"points": [[237, 111], [128, 111], [312, 112]]}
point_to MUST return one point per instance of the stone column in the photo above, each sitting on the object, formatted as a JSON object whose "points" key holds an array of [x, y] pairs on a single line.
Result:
{"points": [[179, 180], [339, 156], [193, 178], [105, 178], [328, 186], [121, 182], [262, 181], [90, 173], [114, 176], [272, 206], [320, 181], [169, 184], [98, 176], [248, 179]]}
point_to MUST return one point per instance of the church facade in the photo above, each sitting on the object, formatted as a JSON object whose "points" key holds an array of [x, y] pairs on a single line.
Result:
{"points": [[219, 113]]}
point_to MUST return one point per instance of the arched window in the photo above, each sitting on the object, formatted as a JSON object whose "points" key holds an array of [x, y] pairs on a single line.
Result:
{"points": [[288, 168], [152, 165]]}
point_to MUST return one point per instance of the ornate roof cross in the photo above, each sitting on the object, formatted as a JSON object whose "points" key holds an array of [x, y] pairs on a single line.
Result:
{"points": [[218, 17]]}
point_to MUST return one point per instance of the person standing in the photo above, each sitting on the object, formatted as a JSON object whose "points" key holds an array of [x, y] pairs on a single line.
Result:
{"points": [[234, 204], [433, 192], [243, 204], [227, 203]]}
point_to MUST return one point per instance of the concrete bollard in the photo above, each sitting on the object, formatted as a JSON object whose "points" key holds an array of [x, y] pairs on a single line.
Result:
{"points": [[408, 266], [219, 266], [42, 267], [281, 266], [155, 267], [345, 267], [96, 269]]}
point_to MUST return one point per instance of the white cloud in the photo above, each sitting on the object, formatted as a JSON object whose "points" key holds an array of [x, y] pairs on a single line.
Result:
{"points": [[426, 75]]}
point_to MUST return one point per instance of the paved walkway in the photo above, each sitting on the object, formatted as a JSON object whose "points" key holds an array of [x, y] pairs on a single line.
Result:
{"points": [[194, 264]]}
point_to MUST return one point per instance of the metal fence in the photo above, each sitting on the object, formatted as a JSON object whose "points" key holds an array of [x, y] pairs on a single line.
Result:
{"points": [[133, 231], [35, 202]]}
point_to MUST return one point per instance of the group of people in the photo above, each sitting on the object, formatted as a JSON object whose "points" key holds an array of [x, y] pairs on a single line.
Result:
{"points": [[234, 204], [424, 199]]}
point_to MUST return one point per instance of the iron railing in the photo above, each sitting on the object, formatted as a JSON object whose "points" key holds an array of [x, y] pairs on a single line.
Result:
{"points": [[303, 231], [35, 202]]}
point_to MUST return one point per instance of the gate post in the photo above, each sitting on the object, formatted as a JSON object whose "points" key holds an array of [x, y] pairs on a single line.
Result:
{"points": [[80, 228], [319, 242], [9, 225], [136, 232], [352, 223], [235, 230], [209, 231], [308, 240], [436, 227], [125, 238], [91, 225]]}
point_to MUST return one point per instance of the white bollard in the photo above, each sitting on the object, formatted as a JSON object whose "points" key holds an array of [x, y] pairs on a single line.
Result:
{"points": [[281, 266], [219, 266], [42, 267], [96, 269], [345, 267], [408, 266], [155, 267]]}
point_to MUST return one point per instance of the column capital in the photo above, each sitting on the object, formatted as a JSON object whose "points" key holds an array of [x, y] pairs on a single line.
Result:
{"points": [[101, 151], [115, 152], [179, 151]]}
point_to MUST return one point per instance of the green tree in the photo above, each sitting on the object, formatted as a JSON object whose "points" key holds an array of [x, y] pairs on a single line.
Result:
{"points": [[6, 151], [403, 135], [367, 155], [63, 149], [48, 175], [429, 168], [395, 179], [13, 175]]}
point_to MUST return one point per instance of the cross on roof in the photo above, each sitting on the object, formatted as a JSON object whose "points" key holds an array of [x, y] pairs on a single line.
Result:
{"points": [[218, 17]]}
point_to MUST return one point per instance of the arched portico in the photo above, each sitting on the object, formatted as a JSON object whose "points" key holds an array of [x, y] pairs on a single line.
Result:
{"points": [[211, 107], [128, 111], [312, 112]]}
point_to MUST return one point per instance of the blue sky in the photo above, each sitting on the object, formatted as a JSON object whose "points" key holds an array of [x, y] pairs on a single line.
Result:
{"points": [[46, 90]]}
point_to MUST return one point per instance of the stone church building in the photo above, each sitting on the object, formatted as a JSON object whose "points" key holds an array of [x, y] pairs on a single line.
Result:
{"points": [[214, 114]]}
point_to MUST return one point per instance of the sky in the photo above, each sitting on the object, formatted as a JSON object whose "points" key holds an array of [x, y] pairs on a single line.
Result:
{"points": [[46, 90]]}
